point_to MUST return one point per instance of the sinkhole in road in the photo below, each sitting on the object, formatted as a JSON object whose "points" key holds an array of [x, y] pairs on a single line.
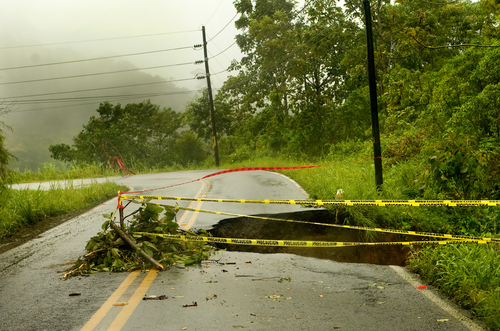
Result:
{"points": [[251, 228]]}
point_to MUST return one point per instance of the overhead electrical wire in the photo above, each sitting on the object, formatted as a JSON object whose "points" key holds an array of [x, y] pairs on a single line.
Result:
{"points": [[219, 65], [97, 58], [104, 97], [223, 51], [98, 89], [279, 61], [216, 9], [269, 8], [105, 88], [232, 19], [87, 104], [218, 73], [94, 40], [96, 74]]}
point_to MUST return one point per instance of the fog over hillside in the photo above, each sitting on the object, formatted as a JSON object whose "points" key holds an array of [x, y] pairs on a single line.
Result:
{"points": [[52, 111]]}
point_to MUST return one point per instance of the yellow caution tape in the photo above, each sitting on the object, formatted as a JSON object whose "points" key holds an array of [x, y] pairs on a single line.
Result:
{"points": [[380, 203], [353, 227], [298, 243]]}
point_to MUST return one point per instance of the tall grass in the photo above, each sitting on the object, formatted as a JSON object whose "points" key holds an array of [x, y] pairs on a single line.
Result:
{"points": [[53, 171], [467, 273], [24, 207]]}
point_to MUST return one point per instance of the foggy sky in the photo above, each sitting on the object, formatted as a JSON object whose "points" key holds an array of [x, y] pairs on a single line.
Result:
{"points": [[38, 32]]}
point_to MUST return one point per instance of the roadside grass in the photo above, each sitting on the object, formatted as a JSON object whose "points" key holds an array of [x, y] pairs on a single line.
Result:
{"points": [[467, 273], [24, 207], [51, 171]]}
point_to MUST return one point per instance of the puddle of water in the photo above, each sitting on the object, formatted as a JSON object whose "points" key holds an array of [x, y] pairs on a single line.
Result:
{"points": [[250, 228]]}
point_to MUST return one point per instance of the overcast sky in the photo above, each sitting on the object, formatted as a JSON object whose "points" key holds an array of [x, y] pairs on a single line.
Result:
{"points": [[34, 22]]}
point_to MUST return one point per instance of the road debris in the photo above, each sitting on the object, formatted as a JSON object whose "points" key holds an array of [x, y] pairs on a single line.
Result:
{"points": [[115, 247], [212, 297], [193, 304], [154, 297], [120, 304], [265, 278], [74, 294]]}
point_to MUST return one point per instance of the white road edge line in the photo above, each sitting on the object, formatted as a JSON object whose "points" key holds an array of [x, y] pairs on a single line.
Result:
{"points": [[429, 294], [291, 180]]}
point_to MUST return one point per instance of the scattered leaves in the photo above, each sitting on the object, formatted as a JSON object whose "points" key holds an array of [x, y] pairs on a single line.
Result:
{"points": [[288, 279]]}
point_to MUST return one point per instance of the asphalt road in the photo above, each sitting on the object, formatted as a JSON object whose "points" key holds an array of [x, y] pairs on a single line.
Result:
{"points": [[234, 290]]}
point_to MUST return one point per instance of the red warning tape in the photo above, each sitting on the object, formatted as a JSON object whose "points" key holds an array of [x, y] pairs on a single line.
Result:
{"points": [[244, 169], [228, 171], [121, 165], [260, 168]]}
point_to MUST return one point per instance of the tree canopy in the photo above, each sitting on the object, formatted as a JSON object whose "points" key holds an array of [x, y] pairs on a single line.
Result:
{"points": [[136, 133], [302, 84]]}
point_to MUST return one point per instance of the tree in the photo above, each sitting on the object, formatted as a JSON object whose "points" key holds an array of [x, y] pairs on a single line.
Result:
{"points": [[228, 118], [138, 132]]}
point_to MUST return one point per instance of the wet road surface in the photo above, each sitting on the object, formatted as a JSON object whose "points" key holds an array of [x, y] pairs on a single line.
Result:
{"points": [[233, 290]]}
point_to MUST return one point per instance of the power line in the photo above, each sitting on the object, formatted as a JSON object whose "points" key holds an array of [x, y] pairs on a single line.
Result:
{"points": [[216, 60], [219, 50], [232, 19], [104, 39], [218, 73], [107, 98], [278, 62], [98, 58], [223, 50], [216, 9], [99, 89], [96, 74]]}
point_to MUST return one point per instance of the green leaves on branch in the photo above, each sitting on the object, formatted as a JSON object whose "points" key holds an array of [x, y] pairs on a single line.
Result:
{"points": [[461, 170], [108, 252]]}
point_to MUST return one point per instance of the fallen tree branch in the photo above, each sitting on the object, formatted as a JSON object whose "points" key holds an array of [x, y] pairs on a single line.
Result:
{"points": [[129, 241]]}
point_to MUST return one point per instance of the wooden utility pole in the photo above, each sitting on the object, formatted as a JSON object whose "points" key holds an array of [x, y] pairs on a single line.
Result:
{"points": [[211, 99], [377, 151]]}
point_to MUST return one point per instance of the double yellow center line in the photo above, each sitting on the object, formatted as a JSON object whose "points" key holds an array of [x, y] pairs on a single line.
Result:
{"points": [[127, 310]]}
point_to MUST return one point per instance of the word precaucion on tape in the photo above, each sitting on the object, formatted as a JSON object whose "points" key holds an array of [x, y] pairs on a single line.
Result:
{"points": [[309, 202]]}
